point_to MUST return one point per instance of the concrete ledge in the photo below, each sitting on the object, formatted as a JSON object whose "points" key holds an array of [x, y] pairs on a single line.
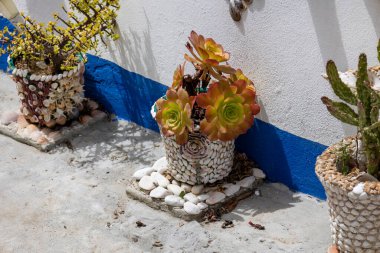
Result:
{"points": [[134, 191]]}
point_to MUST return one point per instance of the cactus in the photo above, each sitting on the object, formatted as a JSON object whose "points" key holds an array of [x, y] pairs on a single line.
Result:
{"points": [[366, 116]]}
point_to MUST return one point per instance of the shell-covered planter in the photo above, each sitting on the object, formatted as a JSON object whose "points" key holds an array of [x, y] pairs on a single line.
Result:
{"points": [[354, 206], [47, 100], [200, 160]]}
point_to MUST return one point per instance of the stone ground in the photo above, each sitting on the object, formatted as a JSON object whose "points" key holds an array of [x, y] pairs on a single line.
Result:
{"points": [[73, 200]]}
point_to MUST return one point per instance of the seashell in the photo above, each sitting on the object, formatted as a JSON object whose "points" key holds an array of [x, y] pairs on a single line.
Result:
{"points": [[54, 85], [48, 78], [70, 73], [46, 103], [43, 78], [32, 77], [24, 73], [65, 74], [25, 80], [41, 65], [32, 87], [14, 71], [47, 117], [25, 111], [34, 96], [60, 76], [54, 78], [40, 93]]}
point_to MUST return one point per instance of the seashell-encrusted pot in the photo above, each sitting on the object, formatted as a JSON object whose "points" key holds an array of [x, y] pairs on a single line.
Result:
{"points": [[200, 160], [50, 99], [354, 206]]}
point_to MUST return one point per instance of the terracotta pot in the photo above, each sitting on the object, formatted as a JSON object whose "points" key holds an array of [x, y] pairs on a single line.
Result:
{"points": [[354, 206], [47, 100], [200, 160]]}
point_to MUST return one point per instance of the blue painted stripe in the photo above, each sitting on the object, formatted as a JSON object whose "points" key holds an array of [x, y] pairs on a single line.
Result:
{"points": [[284, 157]]}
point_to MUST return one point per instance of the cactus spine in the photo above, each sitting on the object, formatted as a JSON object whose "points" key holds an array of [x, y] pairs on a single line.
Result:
{"points": [[366, 117]]}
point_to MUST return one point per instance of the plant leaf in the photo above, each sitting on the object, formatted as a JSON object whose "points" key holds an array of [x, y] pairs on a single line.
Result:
{"points": [[341, 111]]}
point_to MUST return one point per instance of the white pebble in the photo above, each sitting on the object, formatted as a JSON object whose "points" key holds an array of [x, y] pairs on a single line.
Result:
{"points": [[54, 78], [175, 182], [65, 74], [197, 189], [232, 189], [160, 165], [37, 78], [191, 197], [191, 208], [173, 200], [160, 179], [147, 183], [202, 205], [32, 77], [43, 78], [259, 174], [8, 117], [142, 172], [159, 193], [215, 197], [203, 197], [247, 182], [186, 187], [175, 189], [358, 189], [14, 72], [48, 78], [59, 77]]}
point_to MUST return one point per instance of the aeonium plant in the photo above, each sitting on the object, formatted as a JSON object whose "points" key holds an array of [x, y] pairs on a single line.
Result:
{"points": [[217, 100]]}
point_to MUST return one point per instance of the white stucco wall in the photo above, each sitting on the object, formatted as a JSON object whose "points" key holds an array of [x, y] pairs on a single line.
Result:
{"points": [[282, 45]]}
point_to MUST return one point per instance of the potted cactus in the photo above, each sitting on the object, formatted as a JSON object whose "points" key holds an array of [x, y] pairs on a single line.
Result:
{"points": [[202, 114], [47, 61], [349, 170]]}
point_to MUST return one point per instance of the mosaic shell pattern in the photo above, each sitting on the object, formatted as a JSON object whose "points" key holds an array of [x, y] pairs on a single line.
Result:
{"points": [[355, 218], [50, 98], [200, 160]]}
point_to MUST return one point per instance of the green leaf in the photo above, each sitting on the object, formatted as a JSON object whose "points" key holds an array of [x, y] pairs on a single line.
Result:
{"points": [[182, 194], [341, 111], [340, 88]]}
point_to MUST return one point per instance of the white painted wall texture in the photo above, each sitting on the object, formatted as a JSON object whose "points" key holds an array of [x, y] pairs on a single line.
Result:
{"points": [[282, 45]]}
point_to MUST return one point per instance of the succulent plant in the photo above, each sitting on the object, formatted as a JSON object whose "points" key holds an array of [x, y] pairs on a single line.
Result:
{"points": [[229, 110], [366, 116], [174, 114], [58, 43], [209, 56], [217, 100]]}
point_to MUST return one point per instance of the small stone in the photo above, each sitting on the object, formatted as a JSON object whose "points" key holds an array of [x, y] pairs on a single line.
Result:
{"points": [[8, 117], [191, 197], [231, 190], [159, 193], [147, 183], [215, 197], [203, 197], [259, 174], [202, 205], [142, 172], [186, 187], [197, 189], [358, 189], [191, 208], [160, 165], [247, 182], [160, 179], [98, 114], [175, 182], [85, 119], [173, 200], [92, 105], [61, 120], [21, 121], [175, 189]]}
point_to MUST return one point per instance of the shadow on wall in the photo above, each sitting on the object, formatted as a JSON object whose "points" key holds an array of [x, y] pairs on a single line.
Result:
{"points": [[373, 7], [326, 26], [134, 52], [43, 11]]}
